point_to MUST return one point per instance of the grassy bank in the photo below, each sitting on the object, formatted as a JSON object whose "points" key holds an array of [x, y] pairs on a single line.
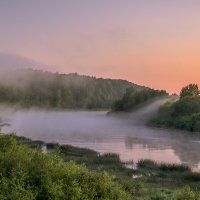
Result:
{"points": [[29, 174], [149, 181]]}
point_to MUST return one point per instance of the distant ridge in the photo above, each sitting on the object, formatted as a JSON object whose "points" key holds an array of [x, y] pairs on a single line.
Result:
{"points": [[19, 84]]}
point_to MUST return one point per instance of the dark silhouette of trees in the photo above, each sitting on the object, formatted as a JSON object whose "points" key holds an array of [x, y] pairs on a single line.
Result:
{"points": [[190, 90], [133, 98]]}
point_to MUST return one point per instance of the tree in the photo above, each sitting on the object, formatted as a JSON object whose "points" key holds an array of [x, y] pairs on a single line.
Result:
{"points": [[190, 90]]}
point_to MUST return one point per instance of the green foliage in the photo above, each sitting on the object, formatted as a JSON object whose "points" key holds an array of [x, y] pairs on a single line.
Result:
{"points": [[27, 174], [69, 91], [133, 98], [174, 167], [169, 176], [190, 90], [150, 180], [182, 114], [186, 106], [186, 194], [150, 164]]}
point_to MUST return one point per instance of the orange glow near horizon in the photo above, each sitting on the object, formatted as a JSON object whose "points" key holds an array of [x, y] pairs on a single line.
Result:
{"points": [[152, 43]]}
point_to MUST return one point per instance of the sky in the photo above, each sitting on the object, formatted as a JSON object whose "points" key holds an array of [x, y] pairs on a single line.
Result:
{"points": [[155, 43]]}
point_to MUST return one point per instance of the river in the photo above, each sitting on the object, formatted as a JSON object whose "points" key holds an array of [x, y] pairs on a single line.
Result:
{"points": [[124, 134]]}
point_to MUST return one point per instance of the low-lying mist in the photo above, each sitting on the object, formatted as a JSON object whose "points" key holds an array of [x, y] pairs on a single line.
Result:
{"points": [[146, 111], [125, 134]]}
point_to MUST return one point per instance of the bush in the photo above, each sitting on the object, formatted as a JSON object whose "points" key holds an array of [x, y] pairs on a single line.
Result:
{"points": [[27, 174], [186, 194], [183, 114], [149, 164], [174, 167]]}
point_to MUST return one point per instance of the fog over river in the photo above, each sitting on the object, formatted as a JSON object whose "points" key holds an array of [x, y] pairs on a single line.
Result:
{"points": [[124, 134]]}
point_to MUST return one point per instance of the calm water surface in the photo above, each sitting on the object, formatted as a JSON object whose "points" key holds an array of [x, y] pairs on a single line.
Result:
{"points": [[125, 135]]}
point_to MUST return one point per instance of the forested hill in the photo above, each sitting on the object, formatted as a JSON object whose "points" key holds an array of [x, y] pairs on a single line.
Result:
{"points": [[28, 87]]}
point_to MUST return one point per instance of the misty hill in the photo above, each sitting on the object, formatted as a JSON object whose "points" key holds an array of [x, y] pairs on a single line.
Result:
{"points": [[28, 87]]}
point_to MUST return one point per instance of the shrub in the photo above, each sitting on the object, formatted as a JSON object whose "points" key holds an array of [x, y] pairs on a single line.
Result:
{"points": [[186, 194], [27, 174], [149, 164]]}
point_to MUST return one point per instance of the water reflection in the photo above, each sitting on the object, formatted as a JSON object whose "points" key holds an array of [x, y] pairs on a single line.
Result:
{"points": [[185, 146], [119, 134]]}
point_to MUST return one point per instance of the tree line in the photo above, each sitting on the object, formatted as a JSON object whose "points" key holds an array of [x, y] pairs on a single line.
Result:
{"points": [[182, 114], [69, 91], [133, 98]]}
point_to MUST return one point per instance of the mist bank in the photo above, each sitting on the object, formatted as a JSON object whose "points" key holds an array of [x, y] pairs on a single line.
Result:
{"points": [[125, 134]]}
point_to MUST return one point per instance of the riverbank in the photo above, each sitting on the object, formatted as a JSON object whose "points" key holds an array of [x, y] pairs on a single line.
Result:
{"points": [[149, 180]]}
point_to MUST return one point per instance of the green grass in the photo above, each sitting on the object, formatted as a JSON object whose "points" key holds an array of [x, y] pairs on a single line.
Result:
{"points": [[155, 181]]}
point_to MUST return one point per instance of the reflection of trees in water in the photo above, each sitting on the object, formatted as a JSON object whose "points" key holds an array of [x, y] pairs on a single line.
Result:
{"points": [[185, 145], [145, 143]]}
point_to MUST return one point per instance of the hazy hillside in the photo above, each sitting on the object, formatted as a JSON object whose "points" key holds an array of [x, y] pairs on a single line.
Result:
{"points": [[29, 87]]}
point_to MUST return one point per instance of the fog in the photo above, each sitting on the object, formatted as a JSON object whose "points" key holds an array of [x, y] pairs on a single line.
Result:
{"points": [[17, 70], [125, 134]]}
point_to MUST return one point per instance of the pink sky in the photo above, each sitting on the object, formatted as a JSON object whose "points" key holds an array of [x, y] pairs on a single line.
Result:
{"points": [[153, 43]]}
